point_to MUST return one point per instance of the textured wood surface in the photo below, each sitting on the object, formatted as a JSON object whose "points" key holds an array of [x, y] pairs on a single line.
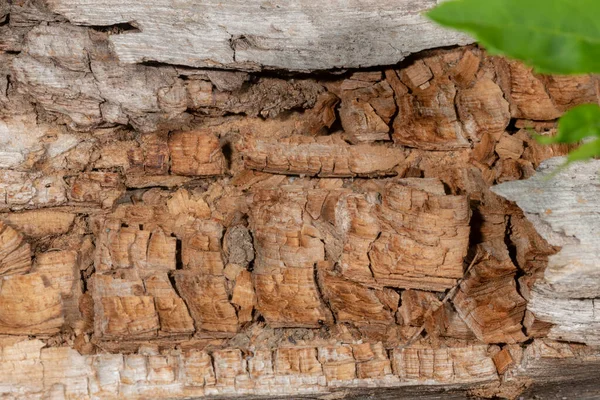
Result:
{"points": [[300, 35], [171, 231], [564, 209]]}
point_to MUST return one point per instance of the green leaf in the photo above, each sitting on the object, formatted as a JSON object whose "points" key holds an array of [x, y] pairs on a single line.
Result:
{"points": [[585, 151], [553, 36], [576, 124]]}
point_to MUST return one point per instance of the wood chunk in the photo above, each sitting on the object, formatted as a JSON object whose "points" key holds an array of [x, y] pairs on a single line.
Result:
{"points": [[372, 361], [228, 365], [61, 270], [416, 305], [338, 362], [427, 117], [201, 248], [244, 296], [40, 223], [359, 234], [198, 369], [392, 78], [509, 146], [416, 75], [30, 306], [446, 323], [482, 109], [130, 247], [173, 314], [366, 111], [353, 302], [323, 156], [122, 248], [361, 123], [66, 369], [406, 255], [365, 76], [200, 93], [488, 300], [571, 90], [162, 311], [508, 169], [147, 156], [503, 360], [161, 251], [536, 152], [535, 327], [128, 317], [390, 298], [96, 188], [287, 250], [464, 73], [208, 301], [17, 357], [261, 365], [15, 253], [527, 94], [184, 202], [483, 152], [19, 190], [196, 153], [155, 155], [489, 211], [322, 116], [161, 370], [297, 361], [532, 250], [290, 298], [444, 365]]}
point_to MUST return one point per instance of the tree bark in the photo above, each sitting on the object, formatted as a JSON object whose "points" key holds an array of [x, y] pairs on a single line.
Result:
{"points": [[202, 199]]}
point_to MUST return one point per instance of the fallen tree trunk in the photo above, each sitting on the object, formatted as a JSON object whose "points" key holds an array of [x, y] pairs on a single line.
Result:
{"points": [[176, 222]]}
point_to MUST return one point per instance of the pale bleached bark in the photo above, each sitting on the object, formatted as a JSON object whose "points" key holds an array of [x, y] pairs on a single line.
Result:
{"points": [[564, 209], [242, 34]]}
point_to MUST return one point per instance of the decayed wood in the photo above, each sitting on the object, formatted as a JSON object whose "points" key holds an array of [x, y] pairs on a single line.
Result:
{"points": [[178, 232], [323, 156], [563, 209], [253, 35], [286, 370], [488, 300], [191, 373], [453, 90]]}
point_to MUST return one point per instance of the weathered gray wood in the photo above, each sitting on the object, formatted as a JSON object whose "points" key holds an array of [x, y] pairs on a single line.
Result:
{"points": [[565, 210], [252, 34]]}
